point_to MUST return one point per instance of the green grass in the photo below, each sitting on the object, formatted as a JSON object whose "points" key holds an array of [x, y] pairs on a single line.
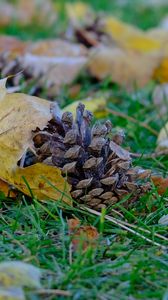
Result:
{"points": [[124, 265], [121, 266]]}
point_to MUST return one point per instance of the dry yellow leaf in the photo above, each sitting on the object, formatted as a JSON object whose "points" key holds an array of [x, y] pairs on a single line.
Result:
{"points": [[7, 190], [129, 36], [40, 177], [127, 68], [78, 11], [161, 72], [19, 115]]}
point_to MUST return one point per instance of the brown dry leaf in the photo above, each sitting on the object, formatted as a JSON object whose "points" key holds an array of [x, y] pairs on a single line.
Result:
{"points": [[19, 115], [53, 63], [127, 68], [6, 12], [161, 184], [82, 235], [10, 49], [74, 90], [57, 48], [12, 45], [37, 11]]}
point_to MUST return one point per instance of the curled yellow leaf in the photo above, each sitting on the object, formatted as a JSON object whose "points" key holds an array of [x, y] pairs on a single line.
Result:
{"points": [[19, 115]]}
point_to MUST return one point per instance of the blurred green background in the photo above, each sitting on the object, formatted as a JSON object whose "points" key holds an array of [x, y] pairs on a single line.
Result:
{"points": [[144, 14]]}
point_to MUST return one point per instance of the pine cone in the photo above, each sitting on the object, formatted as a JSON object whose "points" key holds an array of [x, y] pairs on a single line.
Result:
{"points": [[99, 170]]}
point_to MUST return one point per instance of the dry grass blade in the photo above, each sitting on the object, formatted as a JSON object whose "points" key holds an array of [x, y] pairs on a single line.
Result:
{"points": [[25, 250], [142, 229], [151, 155], [56, 292], [126, 227], [131, 119]]}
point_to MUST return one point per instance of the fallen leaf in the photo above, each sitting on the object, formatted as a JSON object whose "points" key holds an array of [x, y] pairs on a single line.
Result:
{"points": [[162, 141], [127, 68], [40, 177], [13, 293], [161, 184], [12, 45], [124, 35], [74, 90], [6, 12], [161, 72], [37, 11], [160, 98], [57, 48], [10, 49], [14, 276], [79, 12], [130, 56], [128, 36], [163, 220], [82, 235], [51, 63], [7, 190], [55, 62], [19, 115], [27, 12], [19, 274], [132, 42], [159, 34], [164, 23]]}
